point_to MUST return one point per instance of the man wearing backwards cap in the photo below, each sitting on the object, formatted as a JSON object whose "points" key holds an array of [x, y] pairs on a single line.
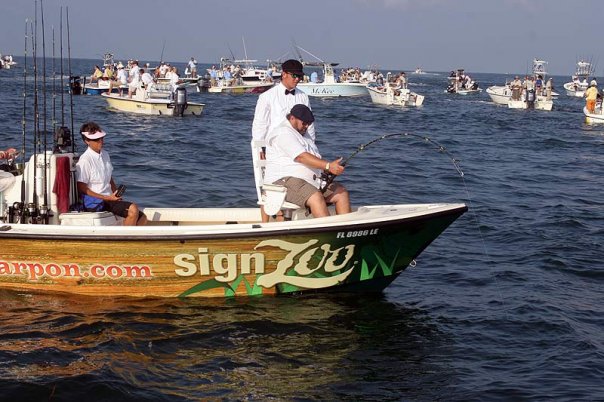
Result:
{"points": [[95, 181], [293, 160], [274, 104]]}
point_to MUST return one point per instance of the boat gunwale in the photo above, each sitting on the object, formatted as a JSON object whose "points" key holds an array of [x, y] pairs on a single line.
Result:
{"points": [[254, 230]]}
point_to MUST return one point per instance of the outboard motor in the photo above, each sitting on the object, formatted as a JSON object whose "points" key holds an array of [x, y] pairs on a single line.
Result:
{"points": [[75, 85], [180, 101], [530, 98], [62, 140]]}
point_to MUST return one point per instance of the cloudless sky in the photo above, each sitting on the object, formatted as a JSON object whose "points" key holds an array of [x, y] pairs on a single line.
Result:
{"points": [[499, 36]]}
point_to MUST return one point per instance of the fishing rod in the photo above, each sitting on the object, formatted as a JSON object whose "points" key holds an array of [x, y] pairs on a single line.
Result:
{"points": [[54, 89], [61, 72], [69, 68], [44, 207], [22, 206], [34, 34], [327, 178]]}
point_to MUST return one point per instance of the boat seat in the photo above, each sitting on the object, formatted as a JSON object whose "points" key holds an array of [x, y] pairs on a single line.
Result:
{"points": [[103, 218], [272, 196]]}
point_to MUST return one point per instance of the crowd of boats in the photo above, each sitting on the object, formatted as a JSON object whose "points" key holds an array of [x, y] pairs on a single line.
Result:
{"points": [[533, 91]]}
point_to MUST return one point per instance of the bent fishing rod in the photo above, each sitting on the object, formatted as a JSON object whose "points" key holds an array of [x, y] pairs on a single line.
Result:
{"points": [[327, 178]]}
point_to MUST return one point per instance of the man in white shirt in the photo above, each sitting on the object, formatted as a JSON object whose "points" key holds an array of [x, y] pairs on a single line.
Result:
{"points": [[147, 79], [193, 67], [293, 160], [274, 104]]}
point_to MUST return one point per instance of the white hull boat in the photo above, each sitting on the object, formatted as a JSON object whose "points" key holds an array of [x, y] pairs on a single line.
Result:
{"points": [[160, 103], [199, 252], [597, 117], [539, 104], [579, 84], [396, 97], [500, 95], [576, 88], [330, 88]]}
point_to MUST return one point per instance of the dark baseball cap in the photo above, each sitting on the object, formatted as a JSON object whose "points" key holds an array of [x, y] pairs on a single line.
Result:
{"points": [[303, 113], [292, 66]]}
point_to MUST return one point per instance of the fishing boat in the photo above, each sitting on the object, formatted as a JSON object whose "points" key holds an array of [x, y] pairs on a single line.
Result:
{"points": [[460, 83], [418, 70], [387, 95], [243, 77], [102, 84], [597, 117], [330, 87], [580, 80], [237, 86], [502, 95], [198, 252], [155, 102]]}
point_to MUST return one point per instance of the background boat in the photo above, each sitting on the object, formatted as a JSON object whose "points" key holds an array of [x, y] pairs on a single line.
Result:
{"points": [[329, 87]]}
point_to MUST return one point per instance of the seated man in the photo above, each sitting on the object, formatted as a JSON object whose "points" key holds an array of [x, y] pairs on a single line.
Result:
{"points": [[95, 181], [293, 160]]}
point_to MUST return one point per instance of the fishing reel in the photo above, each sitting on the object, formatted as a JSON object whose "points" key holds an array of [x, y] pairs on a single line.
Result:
{"points": [[62, 139]]}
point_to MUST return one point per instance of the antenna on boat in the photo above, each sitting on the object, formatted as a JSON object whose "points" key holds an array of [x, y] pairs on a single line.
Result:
{"points": [[244, 49], [301, 48], [231, 51], [161, 56]]}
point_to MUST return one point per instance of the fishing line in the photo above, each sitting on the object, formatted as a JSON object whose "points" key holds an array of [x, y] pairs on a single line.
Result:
{"points": [[327, 178]]}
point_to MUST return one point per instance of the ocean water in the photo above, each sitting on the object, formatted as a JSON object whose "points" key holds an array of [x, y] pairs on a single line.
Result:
{"points": [[505, 305]]}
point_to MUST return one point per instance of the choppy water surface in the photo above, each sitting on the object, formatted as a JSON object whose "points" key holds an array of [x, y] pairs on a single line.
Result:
{"points": [[505, 305]]}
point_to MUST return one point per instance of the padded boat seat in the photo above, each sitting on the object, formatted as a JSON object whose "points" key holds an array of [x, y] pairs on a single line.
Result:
{"points": [[271, 196], [104, 218]]}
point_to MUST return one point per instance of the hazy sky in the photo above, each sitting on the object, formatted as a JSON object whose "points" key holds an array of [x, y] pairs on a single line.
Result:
{"points": [[500, 36]]}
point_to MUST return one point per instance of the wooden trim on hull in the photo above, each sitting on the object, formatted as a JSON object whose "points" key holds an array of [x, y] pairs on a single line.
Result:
{"points": [[363, 257]]}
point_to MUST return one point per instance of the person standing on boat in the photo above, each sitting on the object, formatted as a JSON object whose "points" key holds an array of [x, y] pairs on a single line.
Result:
{"points": [[121, 79], [591, 95], [193, 67], [273, 105], [95, 181], [134, 78], [293, 161], [548, 89], [516, 86]]}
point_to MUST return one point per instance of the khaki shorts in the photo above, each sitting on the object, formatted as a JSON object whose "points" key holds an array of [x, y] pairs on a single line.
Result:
{"points": [[299, 191]]}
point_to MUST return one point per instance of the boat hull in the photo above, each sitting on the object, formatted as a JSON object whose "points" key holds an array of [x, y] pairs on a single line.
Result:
{"points": [[252, 88], [158, 107], [540, 104], [364, 250], [500, 95], [405, 98], [333, 90], [575, 90], [594, 118]]}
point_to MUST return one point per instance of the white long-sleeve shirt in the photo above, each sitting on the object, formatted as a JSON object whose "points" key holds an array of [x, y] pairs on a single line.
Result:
{"points": [[272, 107]]}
